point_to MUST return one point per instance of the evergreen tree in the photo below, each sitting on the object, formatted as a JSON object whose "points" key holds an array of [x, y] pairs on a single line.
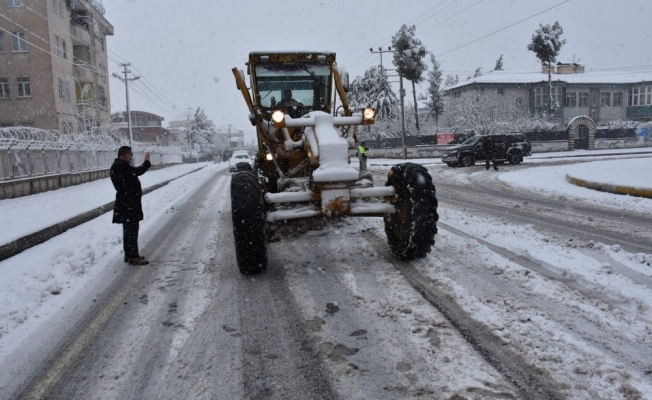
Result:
{"points": [[478, 72], [451, 80], [436, 102], [546, 44], [499, 64], [201, 133], [373, 90], [408, 59]]}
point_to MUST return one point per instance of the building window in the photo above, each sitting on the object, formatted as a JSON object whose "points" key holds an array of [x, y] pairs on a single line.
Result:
{"points": [[605, 99], [64, 89], [640, 96], [14, 3], [501, 92], [618, 99], [538, 97], [24, 87], [557, 96], [570, 100], [4, 88], [18, 41], [583, 99], [57, 45], [6, 124], [2, 42], [102, 95], [595, 98]]}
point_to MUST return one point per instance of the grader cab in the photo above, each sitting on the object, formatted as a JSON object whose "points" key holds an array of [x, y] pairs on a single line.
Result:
{"points": [[303, 171]]}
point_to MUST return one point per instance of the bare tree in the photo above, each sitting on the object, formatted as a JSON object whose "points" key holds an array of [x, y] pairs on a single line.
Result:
{"points": [[486, 114]]}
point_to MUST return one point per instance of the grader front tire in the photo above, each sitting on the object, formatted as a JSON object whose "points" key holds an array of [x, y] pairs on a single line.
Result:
{"points": [[411, 230], [248, 213]]}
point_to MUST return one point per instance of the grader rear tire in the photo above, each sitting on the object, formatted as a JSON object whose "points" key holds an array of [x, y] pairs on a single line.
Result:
{"points": [[248, 213], [411, 230]]}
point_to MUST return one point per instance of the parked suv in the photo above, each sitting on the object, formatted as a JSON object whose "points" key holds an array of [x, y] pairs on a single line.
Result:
{"points": [[510, 147]]}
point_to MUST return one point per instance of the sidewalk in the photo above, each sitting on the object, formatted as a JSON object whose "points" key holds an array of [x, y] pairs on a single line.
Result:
{"points": [[628, 174], [31, 220]]}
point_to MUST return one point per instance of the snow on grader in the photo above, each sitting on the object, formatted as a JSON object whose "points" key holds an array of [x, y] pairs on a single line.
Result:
{"points": [[303, 170]]}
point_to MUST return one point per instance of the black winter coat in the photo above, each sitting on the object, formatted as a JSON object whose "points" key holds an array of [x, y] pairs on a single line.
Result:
{"points": [[128, 206]]}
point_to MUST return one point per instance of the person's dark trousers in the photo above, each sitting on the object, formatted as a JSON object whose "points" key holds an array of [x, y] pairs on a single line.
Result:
{"points": [[130, 239], [492, 160], [363, 162]]}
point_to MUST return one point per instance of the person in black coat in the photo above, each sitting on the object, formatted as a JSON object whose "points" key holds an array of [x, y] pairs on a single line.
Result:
{"points": [[490, 153], [128, 209]]}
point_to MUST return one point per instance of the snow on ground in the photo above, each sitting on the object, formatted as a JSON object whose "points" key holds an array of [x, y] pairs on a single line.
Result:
{"points": [[38, 282], [44, 279]]}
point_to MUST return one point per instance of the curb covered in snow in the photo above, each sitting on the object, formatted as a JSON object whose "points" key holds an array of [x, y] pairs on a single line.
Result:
{"points": [[610, 188], [21, 244]]}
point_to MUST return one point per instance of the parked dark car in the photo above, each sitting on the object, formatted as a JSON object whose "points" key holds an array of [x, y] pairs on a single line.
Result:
{"points": [[510, 147]]}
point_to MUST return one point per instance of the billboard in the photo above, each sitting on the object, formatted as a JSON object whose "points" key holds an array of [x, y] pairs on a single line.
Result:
{"points": [[445, 137]]}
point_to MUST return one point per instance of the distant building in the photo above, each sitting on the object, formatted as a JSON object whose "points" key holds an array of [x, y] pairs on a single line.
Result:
{"points": [[145, 127], [229, 137], [225, 137], [582, 100], [53, 65]]}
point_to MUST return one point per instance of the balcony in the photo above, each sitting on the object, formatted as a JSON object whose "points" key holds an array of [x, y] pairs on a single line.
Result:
{"points": [[82, 73], [80, 35]]}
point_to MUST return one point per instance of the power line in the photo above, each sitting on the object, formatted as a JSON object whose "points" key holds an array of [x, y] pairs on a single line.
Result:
{"points": [[384, 40], [453, 16], [505, 28], [439, 12], [84, 66]]}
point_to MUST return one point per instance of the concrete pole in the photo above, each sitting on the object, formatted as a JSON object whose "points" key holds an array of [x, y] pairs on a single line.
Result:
{"points": [[131, 135], [402, 95]]}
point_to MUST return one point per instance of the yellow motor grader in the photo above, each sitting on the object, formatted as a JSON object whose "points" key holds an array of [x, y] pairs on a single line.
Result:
{"points": [[303, 170]]}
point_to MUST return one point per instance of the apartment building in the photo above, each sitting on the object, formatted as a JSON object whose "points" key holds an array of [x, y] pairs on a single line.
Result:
{"points": [[53, 65], [145, 127], [582, 100]]}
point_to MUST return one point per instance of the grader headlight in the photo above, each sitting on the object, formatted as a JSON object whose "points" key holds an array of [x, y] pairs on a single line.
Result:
{"points": [[278, 118], [368, 116]]}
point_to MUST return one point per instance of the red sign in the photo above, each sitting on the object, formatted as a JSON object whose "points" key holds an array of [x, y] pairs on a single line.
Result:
{"points": [[445, 137]]}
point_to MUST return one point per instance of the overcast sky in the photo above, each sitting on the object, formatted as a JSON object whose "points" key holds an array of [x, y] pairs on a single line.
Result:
{"points": [[184, 51]]}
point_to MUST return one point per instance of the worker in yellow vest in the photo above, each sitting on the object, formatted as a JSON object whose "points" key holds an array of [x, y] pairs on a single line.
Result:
{"points": [[362, 154]]}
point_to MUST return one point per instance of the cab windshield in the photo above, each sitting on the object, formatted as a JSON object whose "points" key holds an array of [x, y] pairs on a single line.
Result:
{"points": [[472, 140], [309, 83]]}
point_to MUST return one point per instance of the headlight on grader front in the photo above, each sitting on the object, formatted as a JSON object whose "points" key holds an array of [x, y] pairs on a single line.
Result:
{"points": [[278, 118], [368, 116]]}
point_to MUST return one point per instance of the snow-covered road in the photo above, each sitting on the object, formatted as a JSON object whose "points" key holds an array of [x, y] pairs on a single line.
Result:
{"points": [[575, 311]]}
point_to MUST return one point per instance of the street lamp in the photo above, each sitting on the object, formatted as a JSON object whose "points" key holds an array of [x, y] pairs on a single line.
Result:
{"points": [[126, 80]]}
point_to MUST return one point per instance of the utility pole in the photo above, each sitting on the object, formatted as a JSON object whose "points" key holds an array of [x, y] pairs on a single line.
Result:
{"points": [[402, 95], [381, 51], [189, 132], [126, 80], [229, 125]]}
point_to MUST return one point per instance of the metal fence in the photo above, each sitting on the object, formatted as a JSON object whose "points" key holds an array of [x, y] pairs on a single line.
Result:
{"points": [[25, 159]]}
